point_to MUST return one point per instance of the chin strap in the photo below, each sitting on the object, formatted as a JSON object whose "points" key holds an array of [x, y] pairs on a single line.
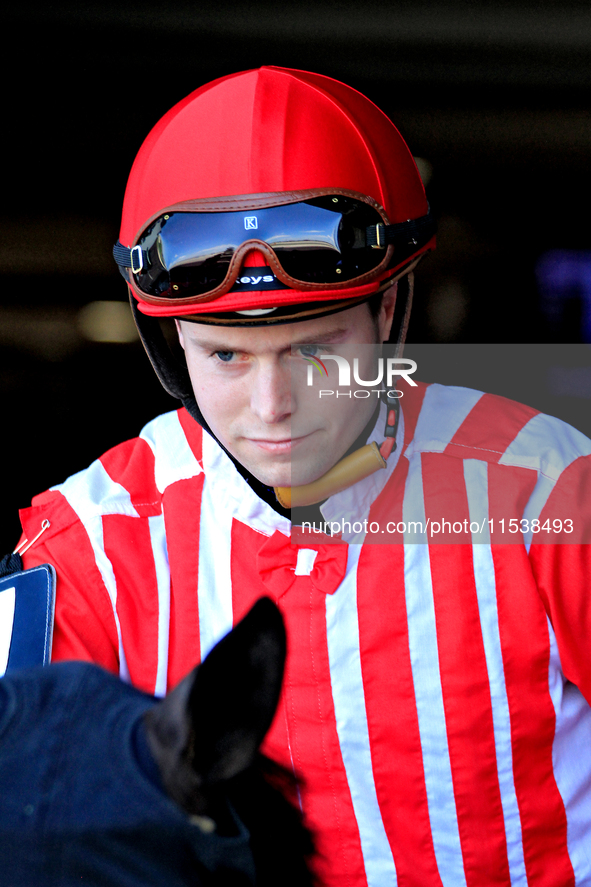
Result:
{"points": [[364, 461], [350, 470], [173, 375]]}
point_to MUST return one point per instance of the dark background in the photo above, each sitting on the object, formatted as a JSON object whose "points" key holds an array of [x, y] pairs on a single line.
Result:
{"points": [[494, 97]]}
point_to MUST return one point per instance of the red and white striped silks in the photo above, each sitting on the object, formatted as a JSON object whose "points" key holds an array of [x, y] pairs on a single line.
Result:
{"points": [[436, 701]]}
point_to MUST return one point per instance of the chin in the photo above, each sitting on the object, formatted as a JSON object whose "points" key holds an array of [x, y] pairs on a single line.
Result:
{"points": [[272, 478], [278, 475], [289, 478], [283, 476], [282, 472]]}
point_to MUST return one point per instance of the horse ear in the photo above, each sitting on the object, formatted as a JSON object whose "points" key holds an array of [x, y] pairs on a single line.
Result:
{"points": [[209, 728], [235, 694]]}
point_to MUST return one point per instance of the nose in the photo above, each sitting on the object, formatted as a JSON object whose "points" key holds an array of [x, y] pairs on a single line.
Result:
{"points": [[271, 393]]}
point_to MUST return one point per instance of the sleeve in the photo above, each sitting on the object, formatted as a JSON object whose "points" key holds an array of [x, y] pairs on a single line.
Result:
{"points": [[561, 562], [84, 627]]}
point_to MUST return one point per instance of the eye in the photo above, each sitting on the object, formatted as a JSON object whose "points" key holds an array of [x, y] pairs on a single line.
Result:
{"points": [[309, 350], [226, 356]]}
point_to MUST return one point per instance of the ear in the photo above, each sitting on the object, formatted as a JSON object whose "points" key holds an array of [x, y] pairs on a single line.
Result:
{"points": [[386, 315], [179, 330], [209, 728], [236, 692]]}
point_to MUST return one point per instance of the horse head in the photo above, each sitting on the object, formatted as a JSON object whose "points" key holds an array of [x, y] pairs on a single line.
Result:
{"points": [[103, 784]]}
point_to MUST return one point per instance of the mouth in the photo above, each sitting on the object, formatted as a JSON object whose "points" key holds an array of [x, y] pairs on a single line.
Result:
{"points": [[283, 445]]}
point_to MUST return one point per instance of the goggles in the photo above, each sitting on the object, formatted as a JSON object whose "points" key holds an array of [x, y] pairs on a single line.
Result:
{"points": [[320, 239]]}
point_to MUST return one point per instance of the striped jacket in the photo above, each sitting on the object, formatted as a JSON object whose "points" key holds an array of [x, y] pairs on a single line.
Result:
{"points": [[436, 700]]}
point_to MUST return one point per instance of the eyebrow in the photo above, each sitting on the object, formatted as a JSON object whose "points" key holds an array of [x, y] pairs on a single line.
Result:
{"points": [[325, 338]]}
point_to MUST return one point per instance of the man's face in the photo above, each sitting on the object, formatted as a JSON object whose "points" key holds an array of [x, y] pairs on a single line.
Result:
{"points": [[242, 380]]}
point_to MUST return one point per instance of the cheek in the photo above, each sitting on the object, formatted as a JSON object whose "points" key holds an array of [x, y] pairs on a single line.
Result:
{"points": [[222, 401], [353, 414], [216, 403]]}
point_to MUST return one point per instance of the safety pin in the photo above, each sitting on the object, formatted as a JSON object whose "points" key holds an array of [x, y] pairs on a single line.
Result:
{"points": [[45, 524]]}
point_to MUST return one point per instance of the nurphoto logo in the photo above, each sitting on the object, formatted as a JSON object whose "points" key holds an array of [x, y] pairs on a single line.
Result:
{"points": [[315, 362], [387, 370]]}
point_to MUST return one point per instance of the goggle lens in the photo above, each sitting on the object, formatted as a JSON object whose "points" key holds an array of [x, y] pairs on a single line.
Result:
{"points": [[321, 240]]}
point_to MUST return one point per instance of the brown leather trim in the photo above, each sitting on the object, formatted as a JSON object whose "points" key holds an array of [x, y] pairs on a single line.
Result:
{"points": [[300, 311], [260, 201], [234, 270]]}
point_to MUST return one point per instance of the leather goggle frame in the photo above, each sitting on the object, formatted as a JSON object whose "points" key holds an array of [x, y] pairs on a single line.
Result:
{"points": [[242, 202]]}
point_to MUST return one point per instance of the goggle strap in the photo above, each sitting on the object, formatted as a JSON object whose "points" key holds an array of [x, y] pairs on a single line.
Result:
{"points": [[122, 255], [409, 280], [378, 236], [410, 232]]}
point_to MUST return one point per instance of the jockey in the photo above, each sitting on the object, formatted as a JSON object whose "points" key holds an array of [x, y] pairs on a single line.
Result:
{"points": [[436, 702], [251, 243]]}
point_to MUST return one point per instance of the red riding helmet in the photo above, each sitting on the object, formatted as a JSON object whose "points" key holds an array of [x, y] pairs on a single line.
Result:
{"points": [[270, 195]]}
